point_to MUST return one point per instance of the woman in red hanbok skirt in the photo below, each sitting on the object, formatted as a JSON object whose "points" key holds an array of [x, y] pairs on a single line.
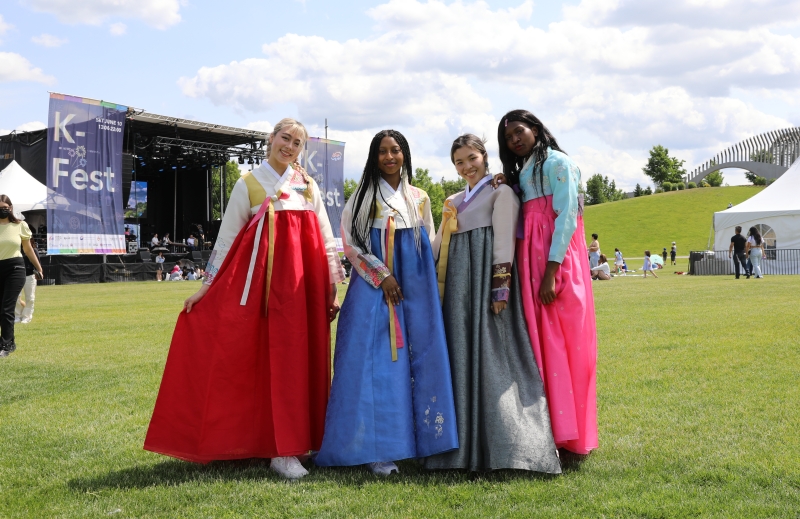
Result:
{"points": [[248, 371]]}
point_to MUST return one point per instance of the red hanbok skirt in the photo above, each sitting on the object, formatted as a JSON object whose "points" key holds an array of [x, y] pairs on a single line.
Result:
{"points": [[241, 384]]}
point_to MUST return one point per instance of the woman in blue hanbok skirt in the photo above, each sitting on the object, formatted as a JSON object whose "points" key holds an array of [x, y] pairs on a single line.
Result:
{"points": [[392, 395]]}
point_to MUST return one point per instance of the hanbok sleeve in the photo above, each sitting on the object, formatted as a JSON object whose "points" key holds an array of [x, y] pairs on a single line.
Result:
{"points": [[334, 264], [367, 265], [237, 214], [427, 216], [436, 244], [565, 177], [505, 214]]}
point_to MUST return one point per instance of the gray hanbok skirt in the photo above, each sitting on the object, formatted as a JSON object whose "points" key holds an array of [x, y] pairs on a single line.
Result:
{"points": [[501, 409]]}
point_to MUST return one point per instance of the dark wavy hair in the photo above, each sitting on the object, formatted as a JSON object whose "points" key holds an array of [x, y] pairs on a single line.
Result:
{"points": [[756, 235], [512, 164], [11, 217], [368, 188]]}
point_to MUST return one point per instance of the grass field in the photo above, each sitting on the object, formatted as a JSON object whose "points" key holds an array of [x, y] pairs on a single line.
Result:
{"points": [[654, 222], [698, 391]]}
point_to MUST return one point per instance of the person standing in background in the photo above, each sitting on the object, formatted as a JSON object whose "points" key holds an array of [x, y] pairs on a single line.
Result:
{"points": [[24, 313], [14, 234], [736, 250], [664, 255], [673, 253], [594, 251], [754, 250], [159, 265]]}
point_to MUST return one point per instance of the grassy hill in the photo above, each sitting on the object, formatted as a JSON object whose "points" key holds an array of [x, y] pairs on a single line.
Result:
{"points": [[655, 221]]}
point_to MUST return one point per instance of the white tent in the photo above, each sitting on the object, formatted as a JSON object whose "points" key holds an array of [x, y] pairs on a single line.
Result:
{"points": [[775, 210], [25, 192]]}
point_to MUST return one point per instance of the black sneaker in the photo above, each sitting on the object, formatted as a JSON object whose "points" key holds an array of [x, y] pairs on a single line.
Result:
{"points": [[8, 348]]}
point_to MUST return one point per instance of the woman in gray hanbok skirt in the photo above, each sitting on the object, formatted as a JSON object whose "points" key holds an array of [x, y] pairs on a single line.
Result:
{"points": [[501, 409]]}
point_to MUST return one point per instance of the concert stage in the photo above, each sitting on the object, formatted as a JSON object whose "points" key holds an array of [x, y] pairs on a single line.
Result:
{"points": [[170, 160], [108, 268]]}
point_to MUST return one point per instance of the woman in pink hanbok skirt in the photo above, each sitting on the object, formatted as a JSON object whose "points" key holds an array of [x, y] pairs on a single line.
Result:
{"points": [[555, 276]]}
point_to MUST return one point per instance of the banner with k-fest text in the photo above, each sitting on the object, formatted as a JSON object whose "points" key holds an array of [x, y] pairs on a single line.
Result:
{"points": [[84, 176], [323, 159]]}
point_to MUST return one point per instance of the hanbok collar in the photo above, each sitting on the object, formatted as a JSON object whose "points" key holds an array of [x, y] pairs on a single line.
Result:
{"points": [[530, 162], [469, 193], [391, 191], [281, 178]]}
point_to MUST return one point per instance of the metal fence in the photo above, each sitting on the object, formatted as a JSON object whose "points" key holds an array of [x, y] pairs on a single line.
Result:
{"points": [[718, 263]]}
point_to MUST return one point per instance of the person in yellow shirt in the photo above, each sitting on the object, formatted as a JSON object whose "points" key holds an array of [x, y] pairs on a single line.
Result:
{"points": [[14, 234]]}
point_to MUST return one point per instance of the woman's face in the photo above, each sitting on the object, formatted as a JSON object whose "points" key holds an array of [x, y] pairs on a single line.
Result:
{"points": [[469, 164], [390, 157], [4, 205], [520, 138], [286, 147]]}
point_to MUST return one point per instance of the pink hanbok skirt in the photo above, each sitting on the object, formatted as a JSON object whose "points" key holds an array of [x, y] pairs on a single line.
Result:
{"points": [[563, 333]]}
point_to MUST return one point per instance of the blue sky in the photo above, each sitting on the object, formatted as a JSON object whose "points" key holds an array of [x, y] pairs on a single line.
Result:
{"points": [[610, 78]]}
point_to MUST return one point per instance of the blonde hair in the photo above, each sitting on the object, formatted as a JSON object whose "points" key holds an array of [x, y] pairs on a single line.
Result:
{"points": [[288, 125]]}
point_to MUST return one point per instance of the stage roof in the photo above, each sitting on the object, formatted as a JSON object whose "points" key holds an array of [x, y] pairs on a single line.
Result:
{"points": [[152, 125]]}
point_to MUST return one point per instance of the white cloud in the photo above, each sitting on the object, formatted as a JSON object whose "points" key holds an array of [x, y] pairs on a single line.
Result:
{"points": [[25, 127], [48, 40], [261, 126], [156, 13], [610, 68], [4, 27], [31, 126], [117, 29], [14, 67]]}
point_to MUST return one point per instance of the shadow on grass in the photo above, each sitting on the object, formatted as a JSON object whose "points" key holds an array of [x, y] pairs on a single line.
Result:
{"points": [[175, 472]]}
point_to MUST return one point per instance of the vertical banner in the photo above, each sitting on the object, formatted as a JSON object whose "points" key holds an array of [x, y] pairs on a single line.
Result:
{"points": [[84, 176], [324, 161]]}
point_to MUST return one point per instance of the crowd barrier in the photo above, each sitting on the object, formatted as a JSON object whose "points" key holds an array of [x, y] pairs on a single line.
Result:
{"points": [[718, 263]]}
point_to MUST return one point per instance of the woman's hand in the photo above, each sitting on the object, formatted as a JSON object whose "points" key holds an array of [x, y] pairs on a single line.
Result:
{"points": [[333, 303], [499, 179], [498, 306], [39, 275], [391, 291], [547, 289], [195, 298]]}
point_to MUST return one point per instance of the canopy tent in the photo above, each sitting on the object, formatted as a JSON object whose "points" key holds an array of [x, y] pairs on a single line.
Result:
{"points": [[775, 211], [25, 192]]}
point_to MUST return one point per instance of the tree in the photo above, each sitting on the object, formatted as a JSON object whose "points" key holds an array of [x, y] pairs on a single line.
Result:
{"points": [[350, 186], [638, 191], [715, 178], [762, 155], [600, 190], [422, 180], [648, 191], [755, 179], [663, 168], [452, 187], [232, 174]]}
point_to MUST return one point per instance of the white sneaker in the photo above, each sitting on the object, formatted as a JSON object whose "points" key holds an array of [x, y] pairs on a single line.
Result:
{"points": [[25, 321], [383, 468], [17, 320], [288, 467]]}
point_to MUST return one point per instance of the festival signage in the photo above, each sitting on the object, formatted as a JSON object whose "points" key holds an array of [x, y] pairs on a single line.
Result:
{"points": [[323, 159], [84, 176]]}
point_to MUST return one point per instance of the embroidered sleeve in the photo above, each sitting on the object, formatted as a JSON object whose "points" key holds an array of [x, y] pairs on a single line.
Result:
{"points": [[367, 265], [501, 279], [565, 177], [334, 263], [237, 214]]}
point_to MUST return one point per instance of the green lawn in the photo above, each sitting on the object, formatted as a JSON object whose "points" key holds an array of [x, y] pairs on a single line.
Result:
{"points": [[698, 391], [654, 222]]}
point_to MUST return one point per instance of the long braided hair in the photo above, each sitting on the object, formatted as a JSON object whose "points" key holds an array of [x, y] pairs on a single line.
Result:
{"points": [[368, 190], [512, 164]]}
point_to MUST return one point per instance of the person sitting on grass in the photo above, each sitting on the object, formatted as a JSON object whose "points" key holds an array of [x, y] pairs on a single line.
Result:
{"points": [[648, 265], [602, 270]]}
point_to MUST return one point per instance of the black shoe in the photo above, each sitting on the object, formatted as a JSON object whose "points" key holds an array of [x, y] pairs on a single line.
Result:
{"points": [[747, 276], [8, 348]]}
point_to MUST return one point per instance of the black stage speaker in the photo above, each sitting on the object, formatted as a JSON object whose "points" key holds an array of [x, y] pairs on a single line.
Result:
{"points": [[144, 256], [197, 255]]}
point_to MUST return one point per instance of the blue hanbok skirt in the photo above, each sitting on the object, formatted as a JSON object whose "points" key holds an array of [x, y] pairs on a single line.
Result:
{"points": [[381, 410]]}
